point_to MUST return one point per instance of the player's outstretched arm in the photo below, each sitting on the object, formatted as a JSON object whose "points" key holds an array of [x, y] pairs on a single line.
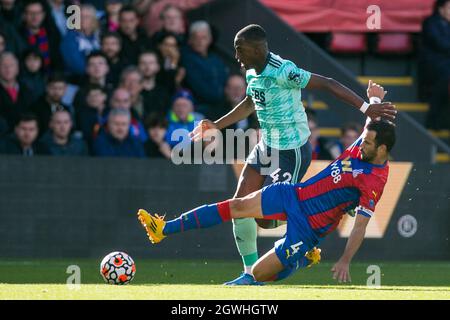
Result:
{"points": [[241, 111], [385, 110], [341, 270]]}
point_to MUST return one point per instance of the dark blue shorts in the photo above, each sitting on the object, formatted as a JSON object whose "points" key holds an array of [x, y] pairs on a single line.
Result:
{"points": [[279, 201], [280, 165]]}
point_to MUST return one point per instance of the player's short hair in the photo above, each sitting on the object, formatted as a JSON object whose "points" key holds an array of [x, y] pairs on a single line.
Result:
{"points": [[252, 32], [385, 133]]}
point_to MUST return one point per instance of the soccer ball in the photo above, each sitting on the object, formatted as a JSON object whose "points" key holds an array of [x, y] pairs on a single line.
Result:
{"points": [[117, 268]]}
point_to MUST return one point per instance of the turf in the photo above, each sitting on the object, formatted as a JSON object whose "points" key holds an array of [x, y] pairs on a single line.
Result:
{"points": [[156, 279]]}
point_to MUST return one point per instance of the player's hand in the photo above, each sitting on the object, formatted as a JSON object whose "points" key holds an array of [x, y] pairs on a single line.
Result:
{"points": [[375, 90], [341, 272], [385, 110], [203, 129]]}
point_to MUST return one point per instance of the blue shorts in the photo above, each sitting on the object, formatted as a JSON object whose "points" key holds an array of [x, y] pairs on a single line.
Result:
{"points": [[279, 201]]}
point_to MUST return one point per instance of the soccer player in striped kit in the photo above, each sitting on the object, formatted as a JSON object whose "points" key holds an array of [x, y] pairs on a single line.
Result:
{"points": [[352, 184], [284, 153]]}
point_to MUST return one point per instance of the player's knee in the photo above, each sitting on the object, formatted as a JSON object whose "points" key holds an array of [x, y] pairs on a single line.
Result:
{"points": [[265, 224], [237, 206]]}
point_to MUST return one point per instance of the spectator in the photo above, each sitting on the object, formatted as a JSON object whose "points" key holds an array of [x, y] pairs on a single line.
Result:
{"points": [[235, 92], [121, 99], [131, 80], [10, 12], [172, 21], [12, 40], [156, 146], [58, 14], [205, 72], [435, 61], [92, 116], [40, 36], [115, 141], [181, 118], [110, 21], [78, 44], [156, 96], [152, 11], [319, 144], [172, 73], [97, 70], [51, 101], [24, 139], [59, 141], [32, 73], [134, 39], [111, 48], [14, 96], [349, 133]]}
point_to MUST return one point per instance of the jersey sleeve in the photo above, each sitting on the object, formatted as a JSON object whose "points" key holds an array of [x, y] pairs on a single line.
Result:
{"points": [[370, 194], [290, 76]]}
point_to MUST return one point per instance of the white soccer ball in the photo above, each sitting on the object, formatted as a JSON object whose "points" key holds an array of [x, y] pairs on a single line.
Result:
{"points": [[117, 268]]}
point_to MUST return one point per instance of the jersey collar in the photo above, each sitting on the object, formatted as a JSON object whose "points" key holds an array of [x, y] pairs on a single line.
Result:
{"points": [[265, 63]]}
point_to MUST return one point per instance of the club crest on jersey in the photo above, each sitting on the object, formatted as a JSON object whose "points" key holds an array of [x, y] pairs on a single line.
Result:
{"points": [[357, 172], [294, 76]]}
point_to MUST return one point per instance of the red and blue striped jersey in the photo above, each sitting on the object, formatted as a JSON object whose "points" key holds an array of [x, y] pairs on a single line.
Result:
{"points": [[347, 185]]}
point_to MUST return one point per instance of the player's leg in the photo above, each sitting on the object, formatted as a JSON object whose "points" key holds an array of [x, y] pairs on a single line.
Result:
{"points": [[270, 268], [267, 267], [202, 217], [244, 230]]}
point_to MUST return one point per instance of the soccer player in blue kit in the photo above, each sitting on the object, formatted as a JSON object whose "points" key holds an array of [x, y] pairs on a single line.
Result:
{"points": [[352, 184]]}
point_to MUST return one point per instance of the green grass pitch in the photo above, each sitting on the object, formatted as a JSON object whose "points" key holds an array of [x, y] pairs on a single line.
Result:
{"points": [[202, 279]]}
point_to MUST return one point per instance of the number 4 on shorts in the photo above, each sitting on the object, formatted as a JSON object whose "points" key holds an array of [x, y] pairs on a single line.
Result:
{"points": [[296, 247]]}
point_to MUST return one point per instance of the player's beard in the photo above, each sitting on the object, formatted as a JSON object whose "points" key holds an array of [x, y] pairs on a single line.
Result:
{"points": [[368, 157]]}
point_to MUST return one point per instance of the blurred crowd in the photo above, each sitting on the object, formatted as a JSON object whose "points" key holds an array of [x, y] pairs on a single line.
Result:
{"points": [[119, 85], [111, 87], [434, 65]]}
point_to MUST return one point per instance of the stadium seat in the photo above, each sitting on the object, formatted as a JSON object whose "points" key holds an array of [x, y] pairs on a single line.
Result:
{"points": [[343, 42], [394, 43]]}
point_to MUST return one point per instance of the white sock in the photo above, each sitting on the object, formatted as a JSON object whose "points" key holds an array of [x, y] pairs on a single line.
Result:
{"points": [[248, 269]]}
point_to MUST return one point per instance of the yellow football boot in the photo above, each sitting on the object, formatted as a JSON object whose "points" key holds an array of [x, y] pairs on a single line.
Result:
{"points": [[313, 255], [154, 225]]}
